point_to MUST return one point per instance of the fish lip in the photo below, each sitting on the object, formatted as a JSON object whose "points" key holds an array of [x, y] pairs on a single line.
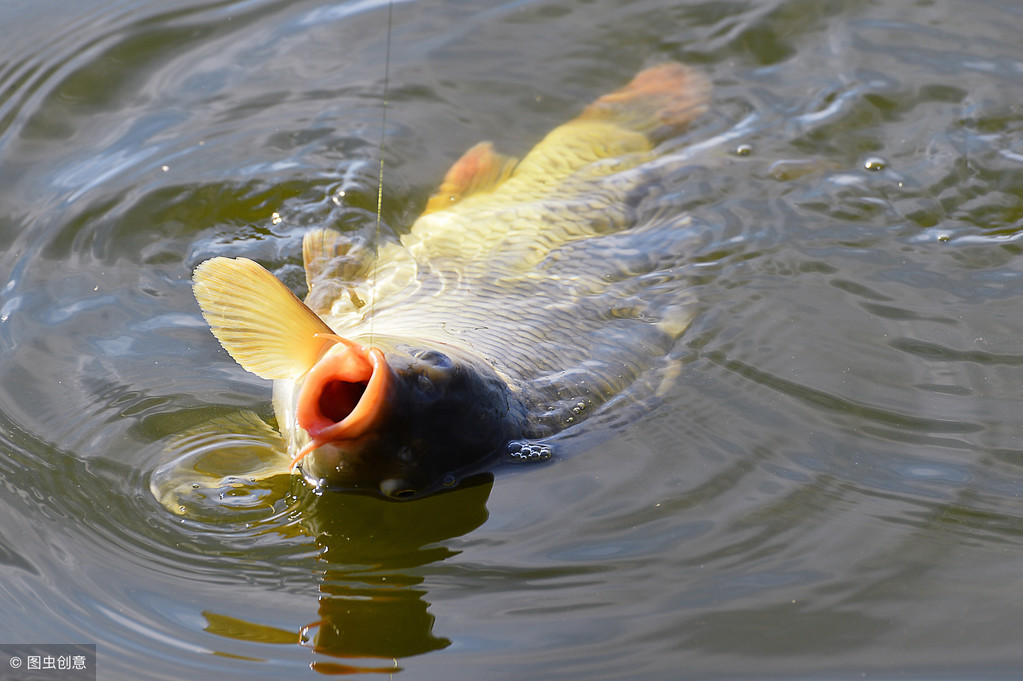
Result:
{"points": [[352, 363]]}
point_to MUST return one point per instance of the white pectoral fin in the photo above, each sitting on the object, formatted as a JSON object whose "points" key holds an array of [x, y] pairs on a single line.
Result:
{"points": [[257, 319]]}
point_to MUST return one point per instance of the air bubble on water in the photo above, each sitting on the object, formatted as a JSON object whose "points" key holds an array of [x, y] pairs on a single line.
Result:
{"points": [[944, 238], [743, 150], [529, 451], [275, 218], [874, 163]]}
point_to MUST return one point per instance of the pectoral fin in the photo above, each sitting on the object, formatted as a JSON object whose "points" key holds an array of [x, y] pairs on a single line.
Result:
{"points": [[257, 319], [233, 464], [480, 169]]}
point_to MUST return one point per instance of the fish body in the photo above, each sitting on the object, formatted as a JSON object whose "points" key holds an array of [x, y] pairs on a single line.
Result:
{"points": [[516, 305]]}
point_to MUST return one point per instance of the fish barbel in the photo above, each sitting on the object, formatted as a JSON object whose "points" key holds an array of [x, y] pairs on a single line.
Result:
{"points": [[516, 305]]}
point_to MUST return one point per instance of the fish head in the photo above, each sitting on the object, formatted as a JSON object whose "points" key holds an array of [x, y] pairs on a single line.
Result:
{"points": [[400, 418]]}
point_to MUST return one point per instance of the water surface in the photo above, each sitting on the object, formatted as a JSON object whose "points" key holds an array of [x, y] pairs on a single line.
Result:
{"points": [[831, 489]]}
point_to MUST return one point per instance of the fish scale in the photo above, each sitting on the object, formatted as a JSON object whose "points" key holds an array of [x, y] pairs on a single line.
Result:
{"points": [[546, 322]]}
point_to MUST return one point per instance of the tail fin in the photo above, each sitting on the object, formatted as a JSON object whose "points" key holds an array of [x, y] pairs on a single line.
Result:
{"points": [[615, 133], [658, 102]]}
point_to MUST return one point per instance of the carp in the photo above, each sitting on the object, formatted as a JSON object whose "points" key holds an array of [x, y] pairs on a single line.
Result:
{"points": [[522, 301]]}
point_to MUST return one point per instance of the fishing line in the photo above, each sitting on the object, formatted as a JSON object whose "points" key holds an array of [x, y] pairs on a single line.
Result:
{"points": [[380, 176]]}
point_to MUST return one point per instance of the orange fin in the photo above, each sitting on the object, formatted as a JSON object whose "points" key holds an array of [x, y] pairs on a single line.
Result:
{"points": [[479, 170], [658, 102], [624, 125]]}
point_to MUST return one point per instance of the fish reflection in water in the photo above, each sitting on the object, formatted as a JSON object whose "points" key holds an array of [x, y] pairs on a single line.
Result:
{"points": [[371, 606], [525, 300]]}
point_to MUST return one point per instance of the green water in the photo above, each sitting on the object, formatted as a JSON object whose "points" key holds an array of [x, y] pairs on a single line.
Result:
{"points": [[832, 489]]}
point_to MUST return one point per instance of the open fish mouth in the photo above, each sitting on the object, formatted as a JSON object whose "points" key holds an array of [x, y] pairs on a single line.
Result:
{"points": [[343, 395], [343, 398]]}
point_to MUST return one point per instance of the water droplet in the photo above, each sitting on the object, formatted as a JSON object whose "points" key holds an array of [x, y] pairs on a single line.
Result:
{"points": [[743, 150], [448, 481], [874, 163], [164, 168]]}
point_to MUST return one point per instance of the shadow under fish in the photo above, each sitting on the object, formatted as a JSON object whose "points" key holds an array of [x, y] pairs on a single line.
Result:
{"points": [[523, 301]]}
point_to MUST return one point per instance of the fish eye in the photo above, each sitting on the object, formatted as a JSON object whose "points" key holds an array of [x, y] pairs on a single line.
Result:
{"points": [[397, 489], [434, 357]]}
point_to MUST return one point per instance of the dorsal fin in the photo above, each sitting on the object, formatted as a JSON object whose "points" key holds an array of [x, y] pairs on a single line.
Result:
{"points": [[329, 254], [319, 248], [480, 169], [257, 319], [335, 264]]}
